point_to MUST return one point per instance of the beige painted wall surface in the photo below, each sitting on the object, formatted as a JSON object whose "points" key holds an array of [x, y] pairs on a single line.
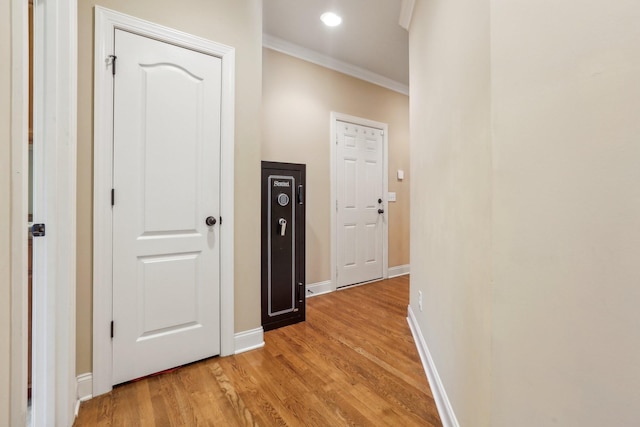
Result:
{"points": [[560, 283], [566, 96], [5, 211], [234, 23], [451, 197], [298, 97]]}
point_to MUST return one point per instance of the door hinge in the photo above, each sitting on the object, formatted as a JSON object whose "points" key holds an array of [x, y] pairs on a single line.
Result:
{"points": [[38, 230], [113, 196], [336, 205], [111, 60], [112, 329]]}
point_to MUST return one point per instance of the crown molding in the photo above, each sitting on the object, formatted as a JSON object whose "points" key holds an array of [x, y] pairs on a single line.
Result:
{"points": [[406, 10], [317, 58]]}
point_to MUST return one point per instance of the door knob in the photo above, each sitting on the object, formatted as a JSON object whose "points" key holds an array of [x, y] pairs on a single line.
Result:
{"points": [[210, 221], [380, 211]]}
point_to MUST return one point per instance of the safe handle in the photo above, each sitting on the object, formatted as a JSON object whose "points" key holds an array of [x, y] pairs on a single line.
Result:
{"points": [[299, 292], [283, 226]]}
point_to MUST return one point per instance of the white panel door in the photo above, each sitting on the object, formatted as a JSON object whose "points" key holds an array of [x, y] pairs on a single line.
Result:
{"points": [[166, 306], [359, 196]]}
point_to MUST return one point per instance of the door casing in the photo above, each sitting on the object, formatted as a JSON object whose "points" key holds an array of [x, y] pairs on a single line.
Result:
{"points": [[55, 100], [334, 118], [106, 21]]}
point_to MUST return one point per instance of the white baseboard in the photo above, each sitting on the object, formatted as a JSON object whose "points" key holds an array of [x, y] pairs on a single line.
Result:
{"points": [[315, 289], [399, 270], [249, 340], [84, 389], [443, 404]]}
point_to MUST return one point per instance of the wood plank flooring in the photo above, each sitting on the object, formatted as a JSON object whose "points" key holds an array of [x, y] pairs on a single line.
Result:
{"points": [[352, 363]]}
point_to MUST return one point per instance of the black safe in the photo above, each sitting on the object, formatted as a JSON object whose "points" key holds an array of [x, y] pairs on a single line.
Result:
{"points": [[283, 244]]}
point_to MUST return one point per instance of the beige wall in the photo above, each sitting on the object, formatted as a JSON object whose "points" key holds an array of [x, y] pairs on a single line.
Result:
{"points": [[526, 207], [566, 228], [5, 211], [298, 97], [450, 193], [232, 22]]}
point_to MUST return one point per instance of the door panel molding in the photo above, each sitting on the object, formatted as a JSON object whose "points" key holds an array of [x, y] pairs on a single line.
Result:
{"points": [[106, 22], [336, 117]]}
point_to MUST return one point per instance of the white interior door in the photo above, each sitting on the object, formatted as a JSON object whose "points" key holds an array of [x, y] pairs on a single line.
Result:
{"points": [[360, 207], [166, 177]]}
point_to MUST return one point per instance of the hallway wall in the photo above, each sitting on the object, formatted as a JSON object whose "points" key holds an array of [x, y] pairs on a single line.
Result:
{"points": [[451, 197], [566, 213], [298, 97], [526, 207]]}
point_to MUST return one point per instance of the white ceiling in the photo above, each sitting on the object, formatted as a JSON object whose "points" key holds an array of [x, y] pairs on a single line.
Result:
{"points": [[370, 44]]}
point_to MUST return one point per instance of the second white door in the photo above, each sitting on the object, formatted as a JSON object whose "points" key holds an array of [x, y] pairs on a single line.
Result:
{"points": [[166, 259], [360, 207]]}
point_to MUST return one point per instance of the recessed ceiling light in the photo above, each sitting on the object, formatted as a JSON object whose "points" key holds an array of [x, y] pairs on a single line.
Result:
{"points": [[330, 19]]}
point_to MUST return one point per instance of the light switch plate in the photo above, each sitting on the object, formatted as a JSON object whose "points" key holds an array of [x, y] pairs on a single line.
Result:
{"points": [[400, 174], [392, 196]]}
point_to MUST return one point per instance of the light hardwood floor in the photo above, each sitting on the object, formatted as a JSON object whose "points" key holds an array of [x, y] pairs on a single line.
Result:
{"points": [[352, 363]]}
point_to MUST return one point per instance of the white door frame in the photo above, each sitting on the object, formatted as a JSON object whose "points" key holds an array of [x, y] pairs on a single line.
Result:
{"points": [[106, 22], [55, 116], [335, 117]]}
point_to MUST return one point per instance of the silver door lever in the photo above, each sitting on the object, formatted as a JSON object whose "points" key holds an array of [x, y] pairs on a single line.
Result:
{"points": [[283, 226]]}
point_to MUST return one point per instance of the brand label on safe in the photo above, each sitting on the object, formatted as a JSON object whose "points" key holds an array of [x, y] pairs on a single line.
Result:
{"points": [[281, 183]]}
